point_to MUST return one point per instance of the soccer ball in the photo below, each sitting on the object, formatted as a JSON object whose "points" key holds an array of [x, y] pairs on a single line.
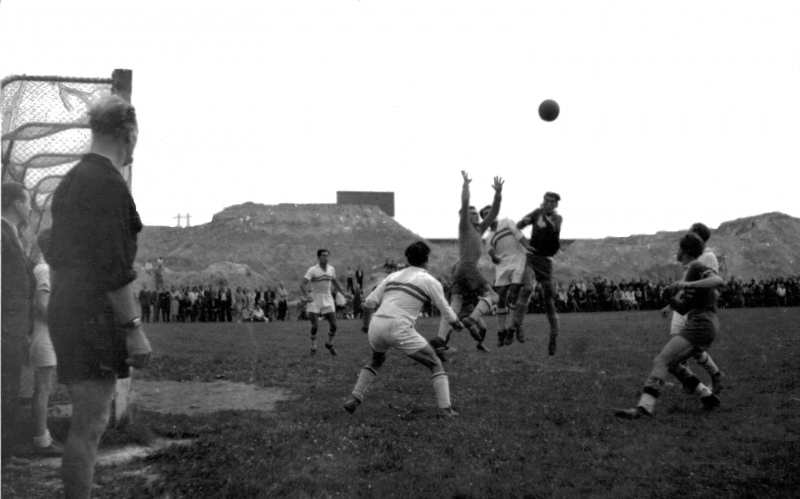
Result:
{"points": [[548, 110]]}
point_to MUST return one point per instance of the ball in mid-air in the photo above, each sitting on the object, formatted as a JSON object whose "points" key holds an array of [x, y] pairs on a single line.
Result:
{"points": [[548, 110]]}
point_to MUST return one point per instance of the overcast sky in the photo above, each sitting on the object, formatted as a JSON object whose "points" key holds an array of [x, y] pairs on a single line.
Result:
{"points": [[671, 112]]}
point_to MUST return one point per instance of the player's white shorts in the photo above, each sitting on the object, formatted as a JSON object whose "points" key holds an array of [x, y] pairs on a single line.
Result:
{"points": [[42, 353], [385, 333], [321, 304], [678, 321], [510, 271]]}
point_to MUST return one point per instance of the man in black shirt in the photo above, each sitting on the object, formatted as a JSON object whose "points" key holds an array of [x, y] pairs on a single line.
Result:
{"points": [[544, 243], [94, 321]]}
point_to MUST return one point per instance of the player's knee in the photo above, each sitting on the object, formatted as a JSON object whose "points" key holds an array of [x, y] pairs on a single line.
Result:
{"points": [[378, 359]]}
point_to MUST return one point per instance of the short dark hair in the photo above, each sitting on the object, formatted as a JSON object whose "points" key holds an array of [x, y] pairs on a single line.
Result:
{"points": [[550, 194], [322, 250], [692, 245], [417, 254], [701, 230], [486, 209], [112, 116], [12, 191]]}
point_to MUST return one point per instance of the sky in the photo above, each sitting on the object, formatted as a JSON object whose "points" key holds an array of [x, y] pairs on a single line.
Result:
{"points": [[671, 112]]}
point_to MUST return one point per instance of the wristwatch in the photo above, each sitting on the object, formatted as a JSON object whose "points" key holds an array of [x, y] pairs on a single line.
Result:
{"points": [[133, 323]]}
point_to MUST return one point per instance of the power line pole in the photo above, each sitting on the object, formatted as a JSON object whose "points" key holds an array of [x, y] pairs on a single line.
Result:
{"points": [[179, 220], [188, 220]]}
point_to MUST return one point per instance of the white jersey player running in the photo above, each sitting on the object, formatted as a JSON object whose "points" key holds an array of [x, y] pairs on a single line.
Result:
{"points": [[399, 299], [709, 259], [507, 248], [320, 301]]}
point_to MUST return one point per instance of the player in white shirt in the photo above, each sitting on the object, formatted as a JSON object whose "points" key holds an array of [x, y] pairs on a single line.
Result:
{"points": [[399, 299], [319, 299], [679, 321], [507, 248]]}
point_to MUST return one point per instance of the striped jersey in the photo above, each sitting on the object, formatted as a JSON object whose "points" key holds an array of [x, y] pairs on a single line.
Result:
{"points": [[403, 294], [504, 240], [320, 279]]}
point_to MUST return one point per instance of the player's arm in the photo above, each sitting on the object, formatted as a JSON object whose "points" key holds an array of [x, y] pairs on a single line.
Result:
{"points": [[498, 198], [553, 223], [463, 213], [435, 291], [371, 303], [526, 220], [303, 290], [338, 287]]}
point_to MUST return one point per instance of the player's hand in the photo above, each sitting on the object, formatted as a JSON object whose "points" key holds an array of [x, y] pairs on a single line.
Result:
{"points": [[467, 180], [138, 347], [665, 311], [498, 185]]}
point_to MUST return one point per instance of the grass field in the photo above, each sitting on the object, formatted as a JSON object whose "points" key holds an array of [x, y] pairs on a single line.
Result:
{"points": [[531, 426]]}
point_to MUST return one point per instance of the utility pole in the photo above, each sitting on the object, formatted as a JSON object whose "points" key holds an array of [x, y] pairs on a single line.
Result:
{"points": [[179, 220], [188, 220]]}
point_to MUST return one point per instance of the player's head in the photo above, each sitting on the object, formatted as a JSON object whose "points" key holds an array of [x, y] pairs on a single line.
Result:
{"points": [[485, 211], [16, 202], [113, 122], [474, 216], [701, 230], [322, 256], [550, 202], [690, 247], [417, 254]]}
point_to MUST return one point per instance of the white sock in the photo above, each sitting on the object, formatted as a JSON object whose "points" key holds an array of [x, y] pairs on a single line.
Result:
{"points": [[441, 386], [510, 318], [706, 362], [484, 306], [702, 390], [44, 440], [648, 402], [365, 379]]}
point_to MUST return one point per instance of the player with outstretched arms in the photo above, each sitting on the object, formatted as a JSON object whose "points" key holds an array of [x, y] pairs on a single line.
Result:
{"points": [[545, 242], [398, 300], [319, 299], [467, 278], [507, 248]]}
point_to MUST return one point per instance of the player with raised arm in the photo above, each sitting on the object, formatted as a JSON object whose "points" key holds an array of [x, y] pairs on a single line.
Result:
{"points": [[507, 248], [679, 321], [698, 303], [398, 300], [467, 278], [545, 242], [319, 299]]}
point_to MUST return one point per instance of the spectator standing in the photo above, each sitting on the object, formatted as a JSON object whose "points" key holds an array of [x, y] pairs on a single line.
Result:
{"points": [[18, 287], [360, 277], [283, 303], [144, 303], [350, 280]]}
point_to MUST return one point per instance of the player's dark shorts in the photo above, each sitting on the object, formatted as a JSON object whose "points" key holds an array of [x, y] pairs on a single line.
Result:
{"points": [[468, 279], [701, 328], [542, 267], [89, 343]]}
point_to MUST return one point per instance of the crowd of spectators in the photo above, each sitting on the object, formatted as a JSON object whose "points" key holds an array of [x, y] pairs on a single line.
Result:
{"points": [[213, 304], [604, 295]]}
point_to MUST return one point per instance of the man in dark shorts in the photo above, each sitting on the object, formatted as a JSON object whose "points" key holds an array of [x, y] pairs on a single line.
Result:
{"points": [[544, 243], [699, 304], [467, 278], [94, 319]]}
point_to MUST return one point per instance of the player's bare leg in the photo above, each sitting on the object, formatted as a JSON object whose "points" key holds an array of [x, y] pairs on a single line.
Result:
{"points": [[331, 318], [552, 315], [472, 323], [439, 343], [314, 319], [91, 410], [503, 292], [521, 304]]}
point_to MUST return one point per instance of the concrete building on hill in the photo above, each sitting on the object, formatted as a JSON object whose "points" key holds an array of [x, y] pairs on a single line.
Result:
{"points": [[383, 200]]}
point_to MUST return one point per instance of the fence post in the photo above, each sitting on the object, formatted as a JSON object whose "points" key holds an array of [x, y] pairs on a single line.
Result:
{"points": [[122, 85]]}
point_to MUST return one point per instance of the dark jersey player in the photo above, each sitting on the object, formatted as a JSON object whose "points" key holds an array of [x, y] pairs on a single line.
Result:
{"points": [[545, 242]]}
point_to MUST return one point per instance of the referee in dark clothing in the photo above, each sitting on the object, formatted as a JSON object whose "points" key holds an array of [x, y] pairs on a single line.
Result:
{"points": [[94, 319]]}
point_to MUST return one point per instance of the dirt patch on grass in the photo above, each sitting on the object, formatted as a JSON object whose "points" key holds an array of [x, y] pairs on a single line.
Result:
{"points": [[187, 397]]}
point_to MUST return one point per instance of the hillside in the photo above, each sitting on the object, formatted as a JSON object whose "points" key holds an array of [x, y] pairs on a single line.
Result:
{"points": [[253, 244]]}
